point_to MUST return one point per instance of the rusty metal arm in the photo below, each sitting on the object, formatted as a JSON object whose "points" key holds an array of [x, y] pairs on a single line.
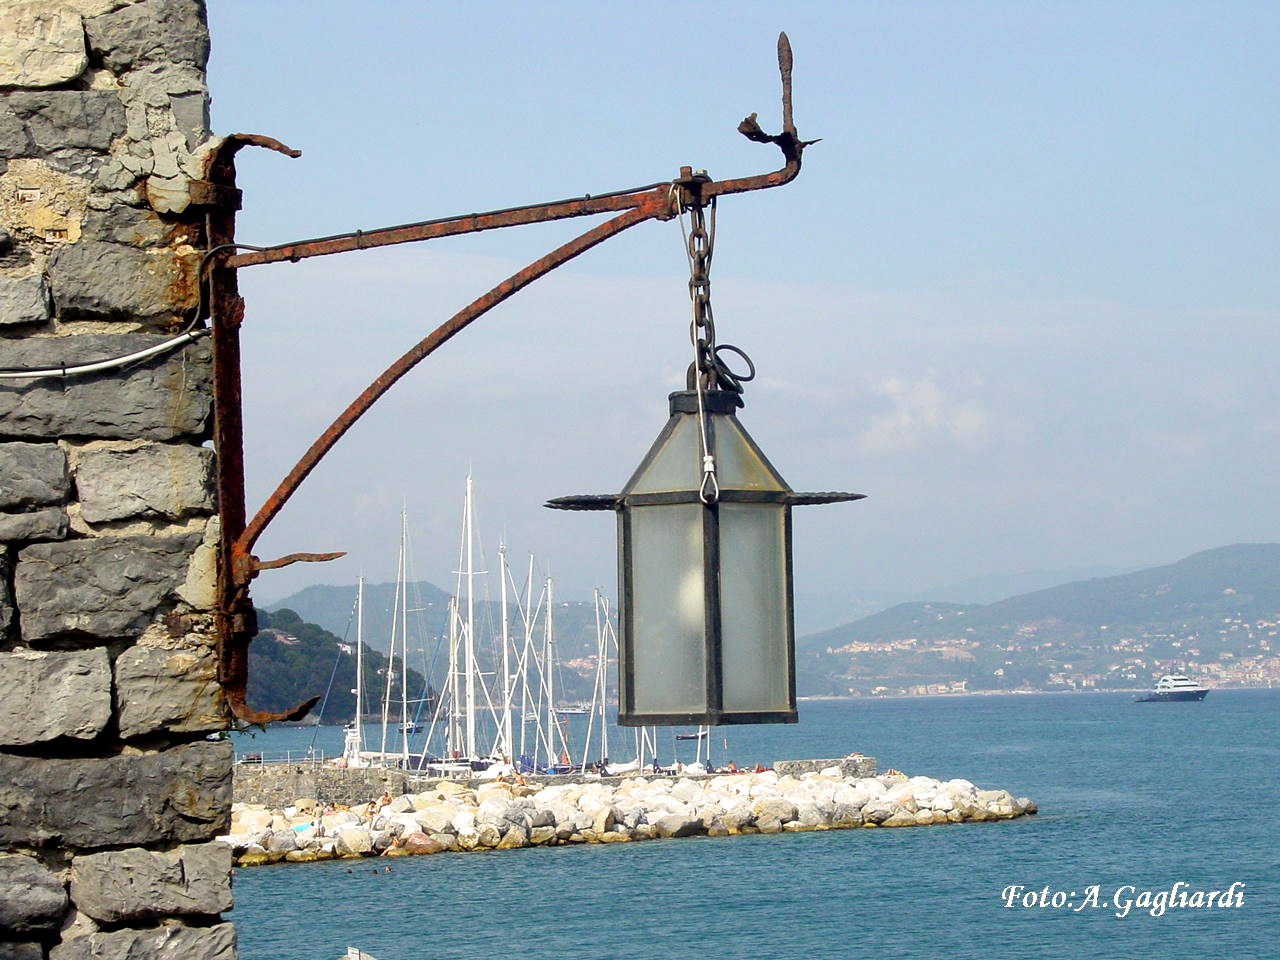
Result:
{"points": [[238, 566], [693, 192]]}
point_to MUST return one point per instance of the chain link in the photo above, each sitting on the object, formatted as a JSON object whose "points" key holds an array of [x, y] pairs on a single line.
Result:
{"points": [[700, 246]]}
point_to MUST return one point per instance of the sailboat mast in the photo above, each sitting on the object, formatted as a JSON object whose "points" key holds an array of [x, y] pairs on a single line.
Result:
{"points": [[404, 635], [451, 726], [602, 662], [525, 702], [470, 637], [391, 664], [506, 654], [549, 667], [360, 663]]}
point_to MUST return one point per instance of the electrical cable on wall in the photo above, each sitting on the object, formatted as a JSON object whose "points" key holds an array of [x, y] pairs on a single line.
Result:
{"points": [[188, 335]]}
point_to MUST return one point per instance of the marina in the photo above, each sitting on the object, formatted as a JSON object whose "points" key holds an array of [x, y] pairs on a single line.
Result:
{"points": [[492, 702]]}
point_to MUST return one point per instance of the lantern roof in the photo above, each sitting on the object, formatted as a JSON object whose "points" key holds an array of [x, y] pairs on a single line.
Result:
{"points": [[673, 465]]}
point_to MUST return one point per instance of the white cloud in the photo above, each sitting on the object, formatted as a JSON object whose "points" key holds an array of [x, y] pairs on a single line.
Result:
{"points": [[921, 413]]}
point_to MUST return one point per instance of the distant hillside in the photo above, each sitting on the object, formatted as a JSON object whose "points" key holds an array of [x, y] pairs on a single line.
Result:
{"points": [[332, 607], [1214, 613], [291, 660]]}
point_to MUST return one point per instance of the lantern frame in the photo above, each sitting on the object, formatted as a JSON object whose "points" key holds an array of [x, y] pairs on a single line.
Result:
{"points": [[711, 408]]}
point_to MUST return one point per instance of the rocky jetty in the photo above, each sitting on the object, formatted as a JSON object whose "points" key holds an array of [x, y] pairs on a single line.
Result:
{"points": [[505, 816]]}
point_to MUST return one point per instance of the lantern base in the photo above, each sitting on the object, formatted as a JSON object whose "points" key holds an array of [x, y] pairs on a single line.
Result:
{"points": [[705, 719]]}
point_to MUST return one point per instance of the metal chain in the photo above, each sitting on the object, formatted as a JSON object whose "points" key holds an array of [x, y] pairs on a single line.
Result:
{"points": [[700, 246], [709, 369]]}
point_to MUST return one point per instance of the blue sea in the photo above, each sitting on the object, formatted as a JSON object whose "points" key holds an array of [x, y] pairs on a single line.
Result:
{"points": [[1133, 797]]}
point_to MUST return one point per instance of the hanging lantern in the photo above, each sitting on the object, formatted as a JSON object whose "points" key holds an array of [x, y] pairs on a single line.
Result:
{"points": [[707, 632], [704, 573]]}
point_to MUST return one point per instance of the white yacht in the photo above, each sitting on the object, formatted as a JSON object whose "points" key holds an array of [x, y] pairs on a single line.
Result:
{"points": [[1173, 687]]}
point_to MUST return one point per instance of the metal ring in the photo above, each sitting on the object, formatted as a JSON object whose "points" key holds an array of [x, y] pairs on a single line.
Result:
{"points": [[741, 378]]}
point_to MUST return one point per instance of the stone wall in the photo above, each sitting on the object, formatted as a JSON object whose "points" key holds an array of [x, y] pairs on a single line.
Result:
{"points": [[109, 792], [851, 768], [280, 784]]}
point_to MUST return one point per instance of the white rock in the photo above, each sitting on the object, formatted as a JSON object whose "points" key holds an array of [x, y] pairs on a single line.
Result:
{"points": [[464, 822], [687, 791], [41, 44]]}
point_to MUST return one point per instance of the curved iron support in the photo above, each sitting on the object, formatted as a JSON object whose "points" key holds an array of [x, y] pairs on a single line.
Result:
{"points": [[237, 565], [419, 352]]}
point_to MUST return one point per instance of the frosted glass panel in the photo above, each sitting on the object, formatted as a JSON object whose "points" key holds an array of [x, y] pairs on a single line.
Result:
{"points": [[753, 611], [667, 604], [737, 463], [677, 465]]}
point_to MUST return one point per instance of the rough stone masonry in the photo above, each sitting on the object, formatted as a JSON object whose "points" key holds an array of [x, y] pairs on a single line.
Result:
{"points": [[110, 794]]}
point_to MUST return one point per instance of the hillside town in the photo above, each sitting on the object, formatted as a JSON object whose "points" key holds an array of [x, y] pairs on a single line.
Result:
{"points": [[1234, 652]]}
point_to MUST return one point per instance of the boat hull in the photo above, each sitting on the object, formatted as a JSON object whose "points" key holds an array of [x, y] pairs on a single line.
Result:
{"points": [[1171, 696]]}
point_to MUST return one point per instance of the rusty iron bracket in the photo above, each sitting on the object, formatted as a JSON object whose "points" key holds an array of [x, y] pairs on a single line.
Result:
{"points": [[237, 566]]}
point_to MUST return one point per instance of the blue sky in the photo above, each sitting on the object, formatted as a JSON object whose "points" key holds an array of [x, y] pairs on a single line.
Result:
{"points": [[1023, 293]]}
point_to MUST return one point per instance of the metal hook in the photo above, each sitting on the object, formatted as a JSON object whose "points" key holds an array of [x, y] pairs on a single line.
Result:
{"points": [[788, 140]]}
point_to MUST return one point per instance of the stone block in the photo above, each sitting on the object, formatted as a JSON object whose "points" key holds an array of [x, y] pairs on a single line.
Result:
{"points": [[159, 31], [32, 900], [123, 885], [97, 280], [41, 44], [49, 523], [675, 825], [175, 690], [513, 839], [765, 808], [191, 114], [182, 794], [134, 226], [61, 119], [23, 300], [354, 842], [160, 398], [32, 474], [158, 480], [14, 139], [107, 588], [162, 943], [199, 590], [54, 694]]}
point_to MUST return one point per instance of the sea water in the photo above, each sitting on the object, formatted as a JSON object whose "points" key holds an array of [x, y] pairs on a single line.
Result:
{"points": [[1133, 797]]}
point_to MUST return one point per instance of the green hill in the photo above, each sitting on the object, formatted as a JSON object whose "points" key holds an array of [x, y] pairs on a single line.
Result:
{"points": [[291, 660], [1213, 613]]}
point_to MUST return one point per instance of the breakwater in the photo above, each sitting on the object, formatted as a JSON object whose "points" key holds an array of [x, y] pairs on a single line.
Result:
{"points": [[281, 784], [484, 815]]}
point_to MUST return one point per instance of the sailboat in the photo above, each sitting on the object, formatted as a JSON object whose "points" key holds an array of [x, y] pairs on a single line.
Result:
{"points": [[496, 713], [353, 733]]}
